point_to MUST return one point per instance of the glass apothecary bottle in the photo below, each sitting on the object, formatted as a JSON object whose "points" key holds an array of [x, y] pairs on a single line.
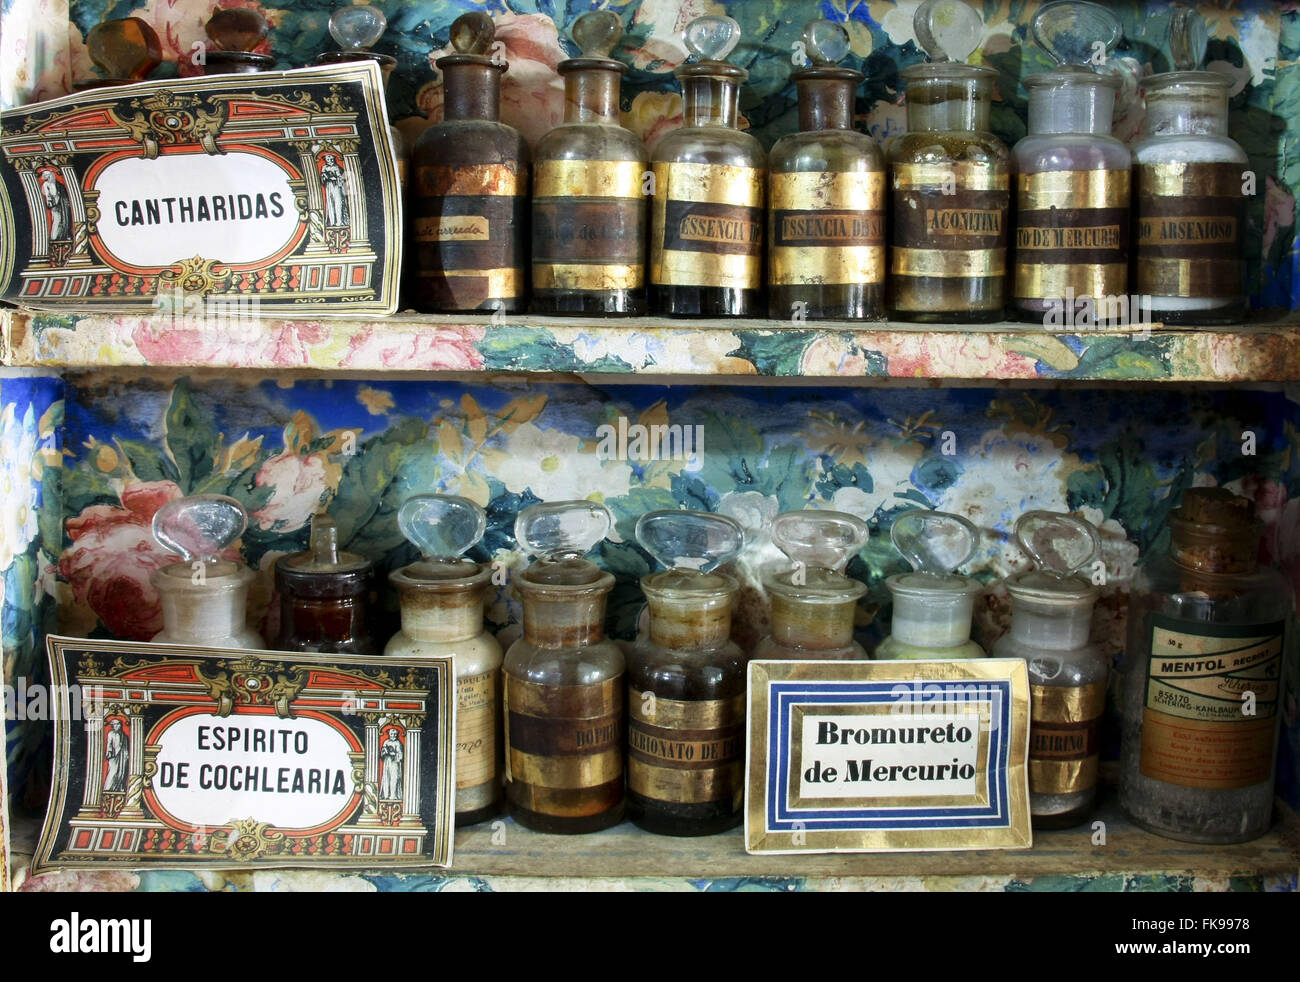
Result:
{"points": [[706, 231], [442, 598], [932, 605], [324, 596], [356, 29], [203, 596], [234, 33], [1190, 209], [826, 197], [950, 180], [1073, 179], [1202, 677], [563, 680], [125, 49], [589, 209], [469, 197], [814, 605], [1051, 615], [686, 681]]}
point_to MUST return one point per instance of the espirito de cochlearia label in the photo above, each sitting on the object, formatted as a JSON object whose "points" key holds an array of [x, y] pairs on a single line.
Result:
{"points": [[278, 186], [880, 756], [176, 756]]}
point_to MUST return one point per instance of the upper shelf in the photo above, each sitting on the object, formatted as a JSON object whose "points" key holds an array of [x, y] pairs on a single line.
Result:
{"points": [[648, 347]]}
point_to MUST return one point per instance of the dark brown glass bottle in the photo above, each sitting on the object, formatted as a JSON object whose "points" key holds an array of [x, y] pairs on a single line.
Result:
{"points": [[469, 198], [589, 211], [324, 597]]}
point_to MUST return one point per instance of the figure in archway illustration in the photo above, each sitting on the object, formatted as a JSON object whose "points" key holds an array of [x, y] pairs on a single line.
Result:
{"points": [[117, 753], [334, 191], [390, 761]]}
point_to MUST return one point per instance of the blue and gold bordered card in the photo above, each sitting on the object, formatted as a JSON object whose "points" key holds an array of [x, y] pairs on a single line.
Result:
{"points": [[895, 755], [274, 192], [177, 756]]}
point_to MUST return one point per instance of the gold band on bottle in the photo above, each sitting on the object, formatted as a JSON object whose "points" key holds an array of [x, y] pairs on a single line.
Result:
{"points": [[437, 180], [589, 178], [963, 176], [1192, 179], [855, 191], [685, 786], [587, 276], [1048, 281], [1210, 278], [947, 263], [685, 714], [1073, 189]]}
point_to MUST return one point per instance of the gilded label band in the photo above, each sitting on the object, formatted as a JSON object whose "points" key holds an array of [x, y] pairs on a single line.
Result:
{"points": [[685, 714], [1189, 277], [828, 190], [1073, 189], [577, 771], [587, 276], [589, 178], [1038, 281], [721, 184], [963, 176], [948, 263], [477, 179], [686, 786], [827, 265], [1191, 179]]}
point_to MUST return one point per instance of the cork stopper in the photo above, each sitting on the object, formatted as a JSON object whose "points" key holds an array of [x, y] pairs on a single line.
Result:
{"points": [[1215, 531]]}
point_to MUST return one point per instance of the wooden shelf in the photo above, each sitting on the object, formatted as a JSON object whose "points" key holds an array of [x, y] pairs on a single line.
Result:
{"points": [[505, 856], [652, 347]]}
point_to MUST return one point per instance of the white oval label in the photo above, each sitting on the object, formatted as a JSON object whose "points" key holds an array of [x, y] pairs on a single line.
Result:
{"points": [[235, 208], [290, 773]]}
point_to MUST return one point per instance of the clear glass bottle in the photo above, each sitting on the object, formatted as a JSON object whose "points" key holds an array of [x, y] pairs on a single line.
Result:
{"points": [[203, 596], [324, 596], [1202, 677], [125, 49], [589, 209], [469, 198], [1190, 209], [686, 681], [1051, 620], [932, 605], [442, 599], [814, 604], [1072, 178], [234, 33], [356, 29], [563, 680], [826, 197], [950, 179], [706, 231]]}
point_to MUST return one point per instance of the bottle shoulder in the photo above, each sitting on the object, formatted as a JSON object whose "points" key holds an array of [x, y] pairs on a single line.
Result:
{"points": [[1189, 148], [581, 665], [459, 141], [716, 145], [1068, 152], [944, 147], [840, 151], [891, 649], [589, 141]]}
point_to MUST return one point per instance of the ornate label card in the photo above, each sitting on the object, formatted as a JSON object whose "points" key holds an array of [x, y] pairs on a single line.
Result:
{"points": [[277, 191], [175, 756], [887, 755]]}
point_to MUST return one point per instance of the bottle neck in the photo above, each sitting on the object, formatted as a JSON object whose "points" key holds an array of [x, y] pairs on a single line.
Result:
{"points": [[472, 91], [1071, 109], [555, 619], [199, 616], [946, 104], [444, 614], [1181, 111], [591, 96], [710, 102], [817, 626], [695, 622], [932, 622], [825, 103], [1050, 626]]}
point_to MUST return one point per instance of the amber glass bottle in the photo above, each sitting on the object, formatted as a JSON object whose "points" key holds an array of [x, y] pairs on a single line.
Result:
{"points": [[324, 596]]}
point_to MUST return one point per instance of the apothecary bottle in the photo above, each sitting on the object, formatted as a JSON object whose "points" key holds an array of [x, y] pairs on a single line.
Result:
{"points": [[686, 681], [442, 597], [469, 197], [1051, 614], [814, 605], [706, 232], [356, 28], [564, 682], [324, 596], [589, 206], [932, 605], [203, 596], [1203, 677], [826, 197], [1189, 200], [950, 182], [1073, 179]]}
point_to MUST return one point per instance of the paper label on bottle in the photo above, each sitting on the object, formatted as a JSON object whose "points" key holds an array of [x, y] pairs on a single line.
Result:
{"points": [[1063, 737], [1210, 707], [476, 730], [962, 234], [452, 228], [686, 750], [1188, 225]]}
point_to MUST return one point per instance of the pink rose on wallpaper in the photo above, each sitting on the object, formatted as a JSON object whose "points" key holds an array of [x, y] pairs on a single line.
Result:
{"points": [[1279, 212], [440, 349], [652, 115], [112, 556], [179, 24], [301, 479]]}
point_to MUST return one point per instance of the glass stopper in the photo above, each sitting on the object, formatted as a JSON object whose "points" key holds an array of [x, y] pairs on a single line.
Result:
{"points": [[238, 29], [947, 30], [357, 28], [695, 540], [820, 539], [711, 38], [473, 33], [934, 541], [562, 529], [1188, 37], [1058, 544], [441, 526], [826, 42], [597, 32], [200, 526], [124, 48], [1069, 30]]}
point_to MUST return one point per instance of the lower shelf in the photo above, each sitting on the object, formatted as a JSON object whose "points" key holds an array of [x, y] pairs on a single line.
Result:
{"points": [[500, 855]]}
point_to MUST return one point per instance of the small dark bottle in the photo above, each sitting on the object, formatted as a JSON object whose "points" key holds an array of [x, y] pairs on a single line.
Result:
{"points": [[686, 681], [826, 197], [324, 597], [589, 209], [235, 32], [126, 50], [469, 199], [706, 231]]}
